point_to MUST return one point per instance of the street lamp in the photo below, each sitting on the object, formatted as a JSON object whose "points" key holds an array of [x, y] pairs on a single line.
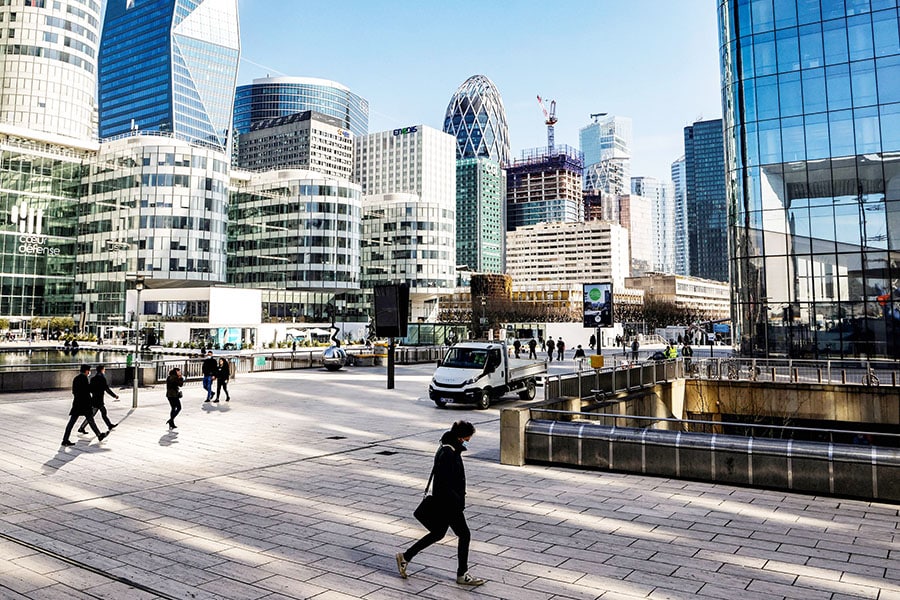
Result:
{"points": [[138, 286]]}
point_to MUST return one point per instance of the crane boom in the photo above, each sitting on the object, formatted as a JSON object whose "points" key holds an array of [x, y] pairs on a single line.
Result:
{"points": [[549, 120]]}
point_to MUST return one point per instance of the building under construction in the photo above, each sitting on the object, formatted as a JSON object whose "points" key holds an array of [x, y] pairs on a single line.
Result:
{"points": [[545, 186]]}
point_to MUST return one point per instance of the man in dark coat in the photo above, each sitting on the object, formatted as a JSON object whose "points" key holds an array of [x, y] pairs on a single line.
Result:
{"points": [[210, 368], [550, 347], [81, 406], [532, 347], [99, 388]]}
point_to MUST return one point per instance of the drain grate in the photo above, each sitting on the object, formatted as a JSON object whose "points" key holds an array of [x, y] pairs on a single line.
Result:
{"points": [[386, 453], [337, 437]]}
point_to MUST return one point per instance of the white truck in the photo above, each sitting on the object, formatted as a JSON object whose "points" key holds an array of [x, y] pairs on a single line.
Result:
{"points": [[476, 372]]}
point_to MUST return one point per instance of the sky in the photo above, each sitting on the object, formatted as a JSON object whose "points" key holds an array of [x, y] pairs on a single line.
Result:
{"points": [[655, 61]]}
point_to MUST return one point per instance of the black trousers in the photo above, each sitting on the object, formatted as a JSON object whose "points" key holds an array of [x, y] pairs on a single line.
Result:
{"points": [[102, 410], [74, 419], [175, 403], [222, 384], [461, 529]]}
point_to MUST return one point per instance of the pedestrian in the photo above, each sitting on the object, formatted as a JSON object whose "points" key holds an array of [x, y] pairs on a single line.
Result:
{"points": [[81, 406], [560, 349], [532, 348], [634, 349], [209, 368], [223, 372], [517, 347], [450, 492], [173, 394], [592, 342], [550, 346], [579, 357], [99, 389]]}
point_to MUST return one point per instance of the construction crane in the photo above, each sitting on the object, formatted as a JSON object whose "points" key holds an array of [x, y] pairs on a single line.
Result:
{"points": [[550, 120], [596, 116]]}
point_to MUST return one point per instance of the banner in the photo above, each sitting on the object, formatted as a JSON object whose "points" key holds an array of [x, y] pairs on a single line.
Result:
{"points": [[598, 305]]}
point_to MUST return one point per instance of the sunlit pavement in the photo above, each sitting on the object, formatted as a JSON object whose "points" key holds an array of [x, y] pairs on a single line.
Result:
{"points": [[303, 487]]}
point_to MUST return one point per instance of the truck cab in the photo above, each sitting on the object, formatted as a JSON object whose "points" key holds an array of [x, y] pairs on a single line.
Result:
{"points": [[477, 372]]}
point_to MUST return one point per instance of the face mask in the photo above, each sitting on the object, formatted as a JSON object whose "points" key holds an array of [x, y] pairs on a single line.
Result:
{"points": [[465, 445]]}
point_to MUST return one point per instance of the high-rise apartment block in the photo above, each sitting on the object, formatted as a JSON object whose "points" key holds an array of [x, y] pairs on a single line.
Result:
{"points": [[704, 160], [169, 66], [811, 98], [544, 187], [307, 140], [555, 254]]}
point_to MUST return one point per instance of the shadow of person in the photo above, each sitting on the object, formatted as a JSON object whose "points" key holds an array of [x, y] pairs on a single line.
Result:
{"points": [[169, 438], [67, 454]]}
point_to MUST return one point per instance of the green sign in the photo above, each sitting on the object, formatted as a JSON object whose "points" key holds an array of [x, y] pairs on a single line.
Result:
{"points": [[259, 361]]}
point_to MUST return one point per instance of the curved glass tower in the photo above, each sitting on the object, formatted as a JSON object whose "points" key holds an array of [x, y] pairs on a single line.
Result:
{"points": [[811, 100], [272, 97], [169, 66], [477, 119]]}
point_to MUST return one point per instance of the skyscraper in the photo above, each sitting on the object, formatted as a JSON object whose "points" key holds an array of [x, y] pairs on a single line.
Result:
{"points": [[660, 195], [681, 250], [477, 119], [273, 97], [811, 98], [704, 160], [47, 56], [544, 188], [606, 144], [169, 66]]}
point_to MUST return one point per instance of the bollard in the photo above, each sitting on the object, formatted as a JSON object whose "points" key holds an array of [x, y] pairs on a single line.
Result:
{"points": [[843, 375], [819, 375]]}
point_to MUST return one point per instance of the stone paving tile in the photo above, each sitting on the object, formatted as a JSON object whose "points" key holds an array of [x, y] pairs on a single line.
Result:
{"points": [[280, 511]]}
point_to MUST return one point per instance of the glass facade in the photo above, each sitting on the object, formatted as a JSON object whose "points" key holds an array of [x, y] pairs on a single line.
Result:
{"points": [[40, 190], [272, 97], [169, 66], [477, 119], [150, 205], [606, 144], [705, 204], [811, 98], [480, 224]]}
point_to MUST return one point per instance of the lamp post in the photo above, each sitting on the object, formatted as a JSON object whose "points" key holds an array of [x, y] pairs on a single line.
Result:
{"points": [[138, 286]]}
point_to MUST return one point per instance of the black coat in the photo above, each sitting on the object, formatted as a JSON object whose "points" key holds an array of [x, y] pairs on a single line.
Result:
{"points": [[82, 403], [100, 387], [449, 474], [173, 382], [223, 372], [210, 366]]}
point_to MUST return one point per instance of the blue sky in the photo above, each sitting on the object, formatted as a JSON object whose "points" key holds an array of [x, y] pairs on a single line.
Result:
{"points": [[655, 61]]}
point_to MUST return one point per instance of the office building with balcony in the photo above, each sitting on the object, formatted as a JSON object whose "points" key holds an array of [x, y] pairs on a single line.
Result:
{"points": [[811, 98], [408, 181], [169, 66], [308, 140], [704, 192], [544, 186]]}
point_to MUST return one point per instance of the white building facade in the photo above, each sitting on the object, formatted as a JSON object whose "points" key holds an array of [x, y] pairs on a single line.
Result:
{"points": [[555, 254], [660, 194], [408, 181], [682, 256]]}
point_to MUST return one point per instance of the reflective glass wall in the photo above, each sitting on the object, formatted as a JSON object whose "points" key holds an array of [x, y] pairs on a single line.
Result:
{"points": [[811, 98]]}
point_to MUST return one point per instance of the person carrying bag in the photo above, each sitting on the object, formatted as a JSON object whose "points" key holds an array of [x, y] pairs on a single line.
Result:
{"points": [[444, 508]]}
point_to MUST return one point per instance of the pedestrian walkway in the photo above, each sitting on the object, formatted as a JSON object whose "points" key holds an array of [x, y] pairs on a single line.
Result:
{"points": [[303, 486]]}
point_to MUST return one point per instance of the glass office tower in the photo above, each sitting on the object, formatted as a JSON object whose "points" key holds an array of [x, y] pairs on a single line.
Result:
{"points": [[273, 97], [811, 98], [477, 119], [169, 66], [704, 196]]}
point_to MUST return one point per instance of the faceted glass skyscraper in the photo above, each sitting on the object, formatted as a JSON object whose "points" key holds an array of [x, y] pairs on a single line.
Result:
{"points": [[811, 98], [704, 194], [169, 66], [477, 119]]}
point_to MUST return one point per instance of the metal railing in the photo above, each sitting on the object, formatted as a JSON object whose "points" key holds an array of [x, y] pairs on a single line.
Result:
{"points": [[833, 372]]}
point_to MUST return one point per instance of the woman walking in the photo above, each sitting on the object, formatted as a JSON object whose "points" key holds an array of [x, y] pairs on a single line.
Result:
{"points": [[223, 372], [173, 393], [450, 493]]}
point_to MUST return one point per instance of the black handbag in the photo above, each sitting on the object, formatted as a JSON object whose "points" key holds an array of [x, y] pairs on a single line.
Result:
{"points": [[430, 513]]}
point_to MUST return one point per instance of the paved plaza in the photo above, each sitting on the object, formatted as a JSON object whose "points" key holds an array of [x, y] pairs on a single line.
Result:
{"points": [[303, 486]]}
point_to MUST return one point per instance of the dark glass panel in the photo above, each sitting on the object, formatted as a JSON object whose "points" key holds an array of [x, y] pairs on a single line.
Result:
{"points": [[785, 13], [808, 11], [767, 98]]}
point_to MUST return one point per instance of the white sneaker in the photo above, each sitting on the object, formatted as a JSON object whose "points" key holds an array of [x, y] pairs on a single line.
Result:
{"points": [[401, 565], [467, 579]]}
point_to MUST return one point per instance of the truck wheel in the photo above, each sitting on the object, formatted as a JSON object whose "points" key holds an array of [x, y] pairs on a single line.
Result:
{"points": [[483, 399], [440, 403], [528, 392]]}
